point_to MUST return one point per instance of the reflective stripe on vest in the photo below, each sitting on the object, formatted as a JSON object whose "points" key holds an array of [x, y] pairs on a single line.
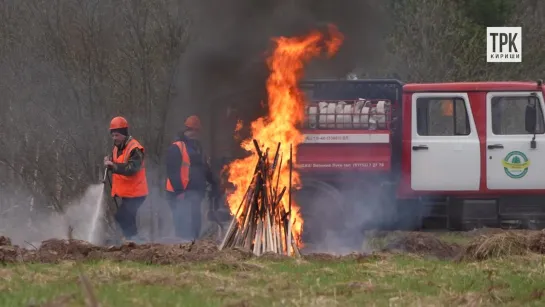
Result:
{"points": [[129, 186], [184, 169]]}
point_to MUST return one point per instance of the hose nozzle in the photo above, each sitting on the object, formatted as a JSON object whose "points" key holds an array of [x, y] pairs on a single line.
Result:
{"points": [[105, 175]]}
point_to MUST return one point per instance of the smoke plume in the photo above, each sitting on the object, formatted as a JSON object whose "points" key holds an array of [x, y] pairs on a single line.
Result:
{"points": [[223, 74]]}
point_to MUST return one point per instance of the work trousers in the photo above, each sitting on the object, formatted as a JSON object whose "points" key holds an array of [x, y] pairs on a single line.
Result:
{"points": [[186, 214], [126, 215]]}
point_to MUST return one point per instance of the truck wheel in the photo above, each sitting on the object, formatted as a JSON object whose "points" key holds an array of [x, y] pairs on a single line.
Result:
{"points": [[321, 208]]}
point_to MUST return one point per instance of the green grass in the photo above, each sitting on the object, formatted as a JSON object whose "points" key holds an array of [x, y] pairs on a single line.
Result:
{"points": [[387, 280]]}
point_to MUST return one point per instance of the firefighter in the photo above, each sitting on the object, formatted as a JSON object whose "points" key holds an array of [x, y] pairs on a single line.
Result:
{"points": [[128, 176], [188, 172]]}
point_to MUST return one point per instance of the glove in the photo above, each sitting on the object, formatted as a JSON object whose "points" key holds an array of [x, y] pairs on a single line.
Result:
{"points": [[108, 162]]}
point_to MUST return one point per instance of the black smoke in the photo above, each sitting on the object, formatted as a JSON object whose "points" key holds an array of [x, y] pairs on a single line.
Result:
{"points": [[222, 77]]}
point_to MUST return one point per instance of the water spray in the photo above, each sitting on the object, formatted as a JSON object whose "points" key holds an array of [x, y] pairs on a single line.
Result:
{"points": [[97, 215]]}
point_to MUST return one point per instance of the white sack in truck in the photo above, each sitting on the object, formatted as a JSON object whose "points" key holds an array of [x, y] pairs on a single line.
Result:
{"points": [[322, 107], [331, 114], [373, 119], [364, 118], [312, 116], [380, 116], [348, 111], [342, 121], [357, 110]]}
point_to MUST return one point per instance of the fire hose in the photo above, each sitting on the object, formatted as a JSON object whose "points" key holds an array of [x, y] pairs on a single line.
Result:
{"points": [[109, 184]]}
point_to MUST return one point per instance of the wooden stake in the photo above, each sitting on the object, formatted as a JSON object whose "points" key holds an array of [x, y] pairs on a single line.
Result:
{"points": [[232, 226], [296, 251], [259, 238], [278, 179], [229, 233], [266, 236], [289, 203], [269, 233], [279, 237]]}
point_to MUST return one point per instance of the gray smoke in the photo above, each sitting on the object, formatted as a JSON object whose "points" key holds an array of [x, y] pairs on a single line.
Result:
{"points": [[363, 210], [30, 228]]}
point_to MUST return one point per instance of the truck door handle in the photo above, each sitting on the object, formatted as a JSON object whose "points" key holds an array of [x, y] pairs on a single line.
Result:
{"points": [[495, 146], [420, 147]]}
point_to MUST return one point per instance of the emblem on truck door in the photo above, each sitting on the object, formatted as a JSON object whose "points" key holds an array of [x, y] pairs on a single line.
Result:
{"points": [[516, 164]]}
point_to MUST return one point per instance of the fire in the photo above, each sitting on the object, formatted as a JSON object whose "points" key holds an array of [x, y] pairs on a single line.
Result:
{"points": [[286, 111], [237, 130]]}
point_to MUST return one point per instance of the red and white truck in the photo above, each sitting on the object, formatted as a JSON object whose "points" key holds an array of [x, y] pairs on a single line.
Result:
{"points": [[463, 154]]}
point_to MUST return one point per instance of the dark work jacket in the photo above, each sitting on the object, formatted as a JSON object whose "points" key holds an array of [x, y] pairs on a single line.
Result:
{"points": [[199, 171]]}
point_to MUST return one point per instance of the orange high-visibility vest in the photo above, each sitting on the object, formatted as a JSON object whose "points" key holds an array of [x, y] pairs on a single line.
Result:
{"points": [[184, 170], [447, 107], [129, 186]]}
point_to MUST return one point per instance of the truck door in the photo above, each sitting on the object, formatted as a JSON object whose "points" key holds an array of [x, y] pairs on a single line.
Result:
{"points": [[512, 163], [445, 150]]}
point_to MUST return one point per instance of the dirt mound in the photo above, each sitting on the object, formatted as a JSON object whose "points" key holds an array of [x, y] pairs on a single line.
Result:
{"points": [[496, 245], [422, 244], [536, 242], [269, 256], [5, 241], [54, 251], [481, 232], [506, 243]]}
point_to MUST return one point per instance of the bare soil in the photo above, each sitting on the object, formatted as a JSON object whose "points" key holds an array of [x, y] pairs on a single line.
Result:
{"points": [[481, 245], [54, 251]]}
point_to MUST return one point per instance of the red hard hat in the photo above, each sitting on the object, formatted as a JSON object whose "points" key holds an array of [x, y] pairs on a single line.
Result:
{"points": [[193, 122], [118, 123]]}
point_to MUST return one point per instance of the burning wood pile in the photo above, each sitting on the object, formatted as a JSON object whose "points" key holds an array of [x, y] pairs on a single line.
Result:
{"points": [[265, 218], [261, 223]]}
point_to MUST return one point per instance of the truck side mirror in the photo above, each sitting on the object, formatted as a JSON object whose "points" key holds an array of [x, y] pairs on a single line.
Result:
{"points": [[531, 119]]}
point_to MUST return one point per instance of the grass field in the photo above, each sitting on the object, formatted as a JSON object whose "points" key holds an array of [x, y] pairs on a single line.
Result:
{"points": [[381, 279]]}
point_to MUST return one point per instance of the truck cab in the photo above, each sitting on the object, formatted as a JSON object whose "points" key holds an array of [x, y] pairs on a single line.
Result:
{"points": [[394, 155]]}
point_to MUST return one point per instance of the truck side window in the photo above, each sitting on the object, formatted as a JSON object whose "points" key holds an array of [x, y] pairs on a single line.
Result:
{"points": [[509, 115], [442, 117]]}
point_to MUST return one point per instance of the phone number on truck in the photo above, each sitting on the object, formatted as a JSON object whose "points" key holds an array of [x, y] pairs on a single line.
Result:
{"points": [[343, 165]]}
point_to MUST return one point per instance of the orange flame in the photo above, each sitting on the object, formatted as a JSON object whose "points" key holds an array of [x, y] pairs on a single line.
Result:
{"points": [[238, 128], [286, 112]]}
